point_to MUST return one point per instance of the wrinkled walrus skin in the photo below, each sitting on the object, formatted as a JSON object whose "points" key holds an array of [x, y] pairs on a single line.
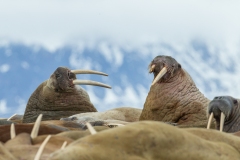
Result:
{"points": [[25, 148], [57, 97], [148, 140], [175, 97], [230, 107], [144, 140]]}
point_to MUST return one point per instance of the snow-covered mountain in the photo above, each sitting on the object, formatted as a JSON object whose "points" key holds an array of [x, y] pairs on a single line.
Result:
{"points": [[23, 67]]}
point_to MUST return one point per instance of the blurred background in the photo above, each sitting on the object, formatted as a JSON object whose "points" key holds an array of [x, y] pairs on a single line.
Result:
{"points": [[119, 38]]}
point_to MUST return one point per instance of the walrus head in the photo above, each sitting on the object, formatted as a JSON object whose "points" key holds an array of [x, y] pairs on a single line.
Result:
{"points": [[163, 68], [61, 80], [59, 97], [64, 79], [225, 110]]}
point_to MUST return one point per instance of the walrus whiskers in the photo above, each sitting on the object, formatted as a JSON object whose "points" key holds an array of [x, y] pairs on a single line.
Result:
{"points": [[88, 82], [160, 75], [64, 144], [40, 150], [36, 126], [90, 128], [210, 121], [12, 131], [222, 121], [79, 71]]}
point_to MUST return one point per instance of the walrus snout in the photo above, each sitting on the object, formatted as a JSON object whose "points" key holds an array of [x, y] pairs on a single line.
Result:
{"points": [[220, 104], [71, 76], [221, 108], [163, 68]]}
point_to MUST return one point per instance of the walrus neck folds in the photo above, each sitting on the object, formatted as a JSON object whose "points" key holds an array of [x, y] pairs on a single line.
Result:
{"points": [[175, 76]]}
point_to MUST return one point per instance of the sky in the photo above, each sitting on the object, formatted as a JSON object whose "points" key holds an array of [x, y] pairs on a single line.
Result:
{"points": [[58, 22], [137, 25]]}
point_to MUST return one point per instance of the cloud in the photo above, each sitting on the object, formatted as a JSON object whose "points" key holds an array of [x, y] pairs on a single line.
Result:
{"points": [[77, 61], [25, 65], [21, 106], [4, 68], [3, 106], [131, 96], [141, 28], [55, 23], [111, 53]]}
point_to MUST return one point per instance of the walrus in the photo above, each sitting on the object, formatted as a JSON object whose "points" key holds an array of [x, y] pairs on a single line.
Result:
{"points": [[36, 145], [121, 143], [127, 114], [173, 96], [226, 111], [152, 140], [59, 97]]}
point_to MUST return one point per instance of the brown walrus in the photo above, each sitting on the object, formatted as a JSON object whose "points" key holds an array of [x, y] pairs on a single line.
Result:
{"points": [[149, 140], [58, 96], [127, 114], [138, 140], [173, 96], [225, 110]]}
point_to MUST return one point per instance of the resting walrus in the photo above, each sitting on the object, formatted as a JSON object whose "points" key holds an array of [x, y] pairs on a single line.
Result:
{"points": [[173, 96], [225, 110], [58, 96]]}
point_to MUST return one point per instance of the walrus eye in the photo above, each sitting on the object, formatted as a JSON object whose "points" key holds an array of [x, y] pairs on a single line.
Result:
{"points": [[235, 101]]}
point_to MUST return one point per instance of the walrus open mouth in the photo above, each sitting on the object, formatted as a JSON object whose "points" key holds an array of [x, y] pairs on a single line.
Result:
{"points": [[87, 82], [70, 75]]}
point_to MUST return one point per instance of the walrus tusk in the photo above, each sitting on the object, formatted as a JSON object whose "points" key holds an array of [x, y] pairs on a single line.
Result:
{"points": [[12, 132], [40, 150], [64, 144], [79, 71], [88, 82], [222, 121], [152, 68], [159, 76], [11, 117], [210, 120], [36, 126], [91, 129]]}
